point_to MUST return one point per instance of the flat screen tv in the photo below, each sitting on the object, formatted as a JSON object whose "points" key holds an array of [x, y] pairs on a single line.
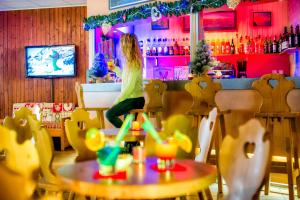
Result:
{"points": [[50, 61]]}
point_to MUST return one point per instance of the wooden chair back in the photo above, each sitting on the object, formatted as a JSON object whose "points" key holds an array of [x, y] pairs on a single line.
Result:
{"points": [[154, 91], [203, 91], [79, 94], [274, 89], [20, 124], [45, 149], [76, 129], [18, 168], [205, 135], [244, 172]]}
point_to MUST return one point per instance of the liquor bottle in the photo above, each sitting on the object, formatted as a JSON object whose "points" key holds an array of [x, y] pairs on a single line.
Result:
{"points": [[218, 47], [297, 37], [159, 47], [241, 45], [280, 43], [227, 47], [166, 47], [148, 47], [261, 45], [176, 47], [270, 45], [181, 46], [266, 46], [292, 37], [213, 47], [246, 45], [285, 42], [275, 45], [171, 49], [154, 48], [223, 47], [232, 47], [187, 46]]}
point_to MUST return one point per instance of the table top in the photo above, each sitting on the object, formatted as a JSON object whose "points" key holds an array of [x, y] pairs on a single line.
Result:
{"points": [[142, 181], [131, 136]]}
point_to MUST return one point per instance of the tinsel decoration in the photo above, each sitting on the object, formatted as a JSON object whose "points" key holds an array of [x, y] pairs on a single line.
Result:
{"points": [[99, 68], [167, 9], [202, 61]]}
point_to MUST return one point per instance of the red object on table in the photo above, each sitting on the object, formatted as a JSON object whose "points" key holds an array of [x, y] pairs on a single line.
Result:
{"points": [[121, 175]]}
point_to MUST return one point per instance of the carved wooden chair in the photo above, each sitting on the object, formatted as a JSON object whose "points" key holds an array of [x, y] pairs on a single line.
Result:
{"points": [[203, 91], [276, 116], [81, 104], [45, 149], [244, 160], [205, 135], [19, 123], [18, 167], [155, 90], [76, 128]]}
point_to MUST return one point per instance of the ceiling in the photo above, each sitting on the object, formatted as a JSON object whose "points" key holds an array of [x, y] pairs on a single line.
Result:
{"points": [[34, 4]]}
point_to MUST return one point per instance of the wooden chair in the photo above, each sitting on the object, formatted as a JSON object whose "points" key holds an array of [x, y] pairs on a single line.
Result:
{"points": [[155, 90], [244, 160], [18, 168], [203, 91], [80, 99], [45, 149], [76, 128], [205, 135], [19, 123], [276, 116]]}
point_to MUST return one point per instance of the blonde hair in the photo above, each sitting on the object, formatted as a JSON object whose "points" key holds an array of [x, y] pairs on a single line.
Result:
{"points": [[131, 51]]}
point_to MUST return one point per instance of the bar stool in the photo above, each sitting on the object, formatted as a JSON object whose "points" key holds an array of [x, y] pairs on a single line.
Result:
{"points": [[99, 111], [274, 89], [155, 90], [203, 91]]}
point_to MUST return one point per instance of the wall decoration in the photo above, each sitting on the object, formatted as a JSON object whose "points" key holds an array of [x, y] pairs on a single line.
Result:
{"points": [[262, 19], [162, 24], [114, 4], [220, 20]]}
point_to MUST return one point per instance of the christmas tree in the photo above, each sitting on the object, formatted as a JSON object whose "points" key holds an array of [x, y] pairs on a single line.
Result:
{"points": [[99, 68], [202, 61]]}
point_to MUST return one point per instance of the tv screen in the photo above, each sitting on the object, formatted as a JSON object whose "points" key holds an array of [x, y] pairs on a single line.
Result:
{"points": [[50, 61]]}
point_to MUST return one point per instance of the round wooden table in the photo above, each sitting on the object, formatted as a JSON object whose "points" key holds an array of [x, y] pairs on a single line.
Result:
{"points": [[131, 136], [142, 181]]}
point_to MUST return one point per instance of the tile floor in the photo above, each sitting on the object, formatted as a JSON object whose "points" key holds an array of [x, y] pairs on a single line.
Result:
{"points": [[277, 191]]}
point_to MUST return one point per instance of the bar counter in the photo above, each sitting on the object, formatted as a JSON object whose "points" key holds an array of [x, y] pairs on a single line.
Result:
{"points": [[235, 94]]}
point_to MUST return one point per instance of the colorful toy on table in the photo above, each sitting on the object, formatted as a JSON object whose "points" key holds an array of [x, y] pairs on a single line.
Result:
{"points": [[108, 155], [166, 150]]}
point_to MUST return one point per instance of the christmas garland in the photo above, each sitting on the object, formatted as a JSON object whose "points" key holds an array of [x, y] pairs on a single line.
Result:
{"points": [[167, 9], [154, 10]]}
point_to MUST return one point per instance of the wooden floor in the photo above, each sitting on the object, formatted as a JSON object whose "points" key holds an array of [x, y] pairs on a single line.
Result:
{"points": [[278, 189]]}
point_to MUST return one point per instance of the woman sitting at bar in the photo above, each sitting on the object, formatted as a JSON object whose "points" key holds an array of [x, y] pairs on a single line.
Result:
{"points": [[131, 96]]}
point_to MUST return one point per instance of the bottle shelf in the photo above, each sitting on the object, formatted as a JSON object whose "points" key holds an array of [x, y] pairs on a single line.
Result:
{"points": [[175, 56], [290, 50], [243, 55]]}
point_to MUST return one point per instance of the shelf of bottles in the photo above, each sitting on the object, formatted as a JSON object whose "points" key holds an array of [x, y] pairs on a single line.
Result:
{"points": [[167, 47], [287, 42]]}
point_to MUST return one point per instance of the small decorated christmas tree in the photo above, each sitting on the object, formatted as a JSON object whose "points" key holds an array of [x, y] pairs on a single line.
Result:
{"points": [[99, 68], [202, 61]]}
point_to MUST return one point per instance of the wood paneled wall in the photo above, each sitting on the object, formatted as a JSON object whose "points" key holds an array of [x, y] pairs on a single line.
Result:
{"points": [[38, 27]]}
